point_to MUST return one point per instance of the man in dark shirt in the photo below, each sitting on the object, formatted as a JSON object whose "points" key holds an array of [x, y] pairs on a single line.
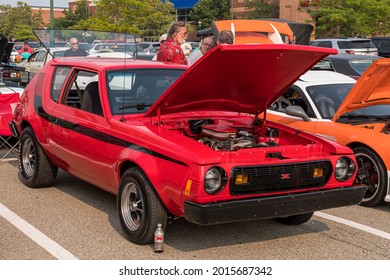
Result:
{"points": [[74, 49]]}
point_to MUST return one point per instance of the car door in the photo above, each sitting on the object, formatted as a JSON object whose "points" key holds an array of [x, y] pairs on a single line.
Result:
{"points": [[80, 140], [35, 62]]}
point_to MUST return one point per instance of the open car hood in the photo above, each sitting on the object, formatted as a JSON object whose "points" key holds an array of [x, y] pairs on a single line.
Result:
{"points": [[238, 78], [372, 88]]}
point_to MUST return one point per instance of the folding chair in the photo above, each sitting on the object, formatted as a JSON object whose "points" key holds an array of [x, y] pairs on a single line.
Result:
{"points": [[7, 141]]}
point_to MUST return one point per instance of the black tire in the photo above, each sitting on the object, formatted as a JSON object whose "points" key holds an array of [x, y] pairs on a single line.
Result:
{"points": [[372, 173], [295, 219], [36, 170], [139, 208]]}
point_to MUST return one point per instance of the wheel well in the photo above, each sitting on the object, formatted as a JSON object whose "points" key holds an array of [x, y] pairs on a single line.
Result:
{"points": [[129, 164]]}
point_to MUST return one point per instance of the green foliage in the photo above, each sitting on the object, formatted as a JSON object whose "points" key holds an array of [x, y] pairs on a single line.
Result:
{"points": [[350, 18], [206, 11], [146, 18], [262, 9], [18, 21]]}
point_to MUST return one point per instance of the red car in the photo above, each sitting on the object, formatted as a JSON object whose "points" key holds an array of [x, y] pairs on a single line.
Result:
{"points": [[172, 141]]}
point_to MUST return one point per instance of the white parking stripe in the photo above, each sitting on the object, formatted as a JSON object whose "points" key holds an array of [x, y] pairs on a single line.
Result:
{"points": [[34, 234], [371, 230]]}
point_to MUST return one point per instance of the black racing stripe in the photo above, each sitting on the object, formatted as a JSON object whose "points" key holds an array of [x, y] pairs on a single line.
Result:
{"points": [[97, 134]]}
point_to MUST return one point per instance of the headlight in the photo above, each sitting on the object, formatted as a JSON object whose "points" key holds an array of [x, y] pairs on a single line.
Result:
{"points": [[345, 168], [215, 180]]}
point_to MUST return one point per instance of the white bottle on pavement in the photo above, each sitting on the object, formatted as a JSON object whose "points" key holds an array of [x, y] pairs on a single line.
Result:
{"points": [[158, 239]]}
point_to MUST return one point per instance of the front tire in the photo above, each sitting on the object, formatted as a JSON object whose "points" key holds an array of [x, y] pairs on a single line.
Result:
{"points": [[36, 170], [295, 219], [372, 173], [139, 208]]}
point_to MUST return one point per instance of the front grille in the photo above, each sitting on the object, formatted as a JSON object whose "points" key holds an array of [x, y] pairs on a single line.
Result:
{"points": [[271, 178]]}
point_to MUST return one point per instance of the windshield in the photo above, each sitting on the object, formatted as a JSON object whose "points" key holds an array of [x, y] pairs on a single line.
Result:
{"points": [[361, 65], [328, 98], [135, 91]]}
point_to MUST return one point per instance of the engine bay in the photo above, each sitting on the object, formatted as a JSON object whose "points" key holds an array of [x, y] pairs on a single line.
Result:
{"points": [[232, 135]]}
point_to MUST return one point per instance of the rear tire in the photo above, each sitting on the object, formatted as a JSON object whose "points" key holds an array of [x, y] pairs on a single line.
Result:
{"points": [[295, 219], [372, 173], [139, 208], [36, 170]]}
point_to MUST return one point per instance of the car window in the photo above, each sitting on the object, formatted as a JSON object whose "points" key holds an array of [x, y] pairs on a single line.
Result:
{"points": [[293, 96], [328, 98], [82, 92], [40, 56], [135, 91], [325, 44], [355, 44], [361, 65], [59, 78]]}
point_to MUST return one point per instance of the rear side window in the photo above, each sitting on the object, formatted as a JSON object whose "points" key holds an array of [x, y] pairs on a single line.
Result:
{"points": [[355, 44], [58, 81], [323, 44]]}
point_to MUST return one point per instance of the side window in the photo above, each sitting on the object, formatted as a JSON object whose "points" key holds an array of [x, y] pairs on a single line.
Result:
{"points": [[82, 92], [325, 44], [58, 81], [40, 56]]}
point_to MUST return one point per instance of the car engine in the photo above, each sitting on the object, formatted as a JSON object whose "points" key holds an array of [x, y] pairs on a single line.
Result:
{"points": [[222, 137]]}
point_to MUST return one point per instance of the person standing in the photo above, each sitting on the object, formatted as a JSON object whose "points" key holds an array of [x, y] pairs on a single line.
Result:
{"points": [[206, 45], [170, 50], [74, 49], [24, 56], [26, 45], [225, 37]]}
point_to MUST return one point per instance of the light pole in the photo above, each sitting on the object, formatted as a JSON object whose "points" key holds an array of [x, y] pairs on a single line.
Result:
{"points": [[51, 24], [232, 8]]}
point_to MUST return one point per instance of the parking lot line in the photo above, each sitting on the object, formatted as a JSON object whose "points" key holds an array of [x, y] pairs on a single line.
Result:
{"points": [[358, 226], [37, 236]]}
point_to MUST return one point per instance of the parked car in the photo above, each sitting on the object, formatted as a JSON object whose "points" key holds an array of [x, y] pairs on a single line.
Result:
{"points": [[37, 60], [356, 115], [348, 45], [383, 45], [351, 65], [147, 46], [170, 146]]}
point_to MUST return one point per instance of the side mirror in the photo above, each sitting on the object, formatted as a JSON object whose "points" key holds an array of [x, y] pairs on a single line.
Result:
{"points": [[297, 111]]}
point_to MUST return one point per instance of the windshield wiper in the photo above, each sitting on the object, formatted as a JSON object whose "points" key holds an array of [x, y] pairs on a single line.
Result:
{"points": [[360, 116], [139, 106]]}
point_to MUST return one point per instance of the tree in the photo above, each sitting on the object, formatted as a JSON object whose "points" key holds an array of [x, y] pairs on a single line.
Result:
{"points": [[262, 8], [72, 18], [206, 11], [19, 21], [146, 18], [349, 18]]}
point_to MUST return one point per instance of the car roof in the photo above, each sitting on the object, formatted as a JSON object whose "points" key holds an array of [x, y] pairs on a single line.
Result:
{"points": [[314, 76]]}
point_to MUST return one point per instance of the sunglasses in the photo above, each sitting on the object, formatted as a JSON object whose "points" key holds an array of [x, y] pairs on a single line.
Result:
{"points": [[75, 43]]}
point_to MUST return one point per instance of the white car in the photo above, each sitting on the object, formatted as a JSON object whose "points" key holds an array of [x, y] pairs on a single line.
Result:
{"points": [[37, 60]]}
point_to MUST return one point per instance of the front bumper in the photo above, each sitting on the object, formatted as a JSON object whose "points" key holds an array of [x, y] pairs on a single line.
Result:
{"points": [[271, 207]]}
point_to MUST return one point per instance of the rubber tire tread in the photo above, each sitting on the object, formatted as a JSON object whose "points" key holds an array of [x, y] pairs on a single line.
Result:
{"points": [[154, 212], [45, 172], [379, 197]]}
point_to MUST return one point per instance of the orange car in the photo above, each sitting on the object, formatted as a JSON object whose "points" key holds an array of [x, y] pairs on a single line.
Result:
{"points": [[357, 115], [256, 31]]}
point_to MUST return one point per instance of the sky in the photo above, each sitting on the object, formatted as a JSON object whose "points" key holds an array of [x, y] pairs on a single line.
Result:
{"points": [[42, 3]]}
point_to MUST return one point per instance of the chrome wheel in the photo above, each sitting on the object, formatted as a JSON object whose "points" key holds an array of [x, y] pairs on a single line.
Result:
{"points": [[29, 159], [132, 206]]}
